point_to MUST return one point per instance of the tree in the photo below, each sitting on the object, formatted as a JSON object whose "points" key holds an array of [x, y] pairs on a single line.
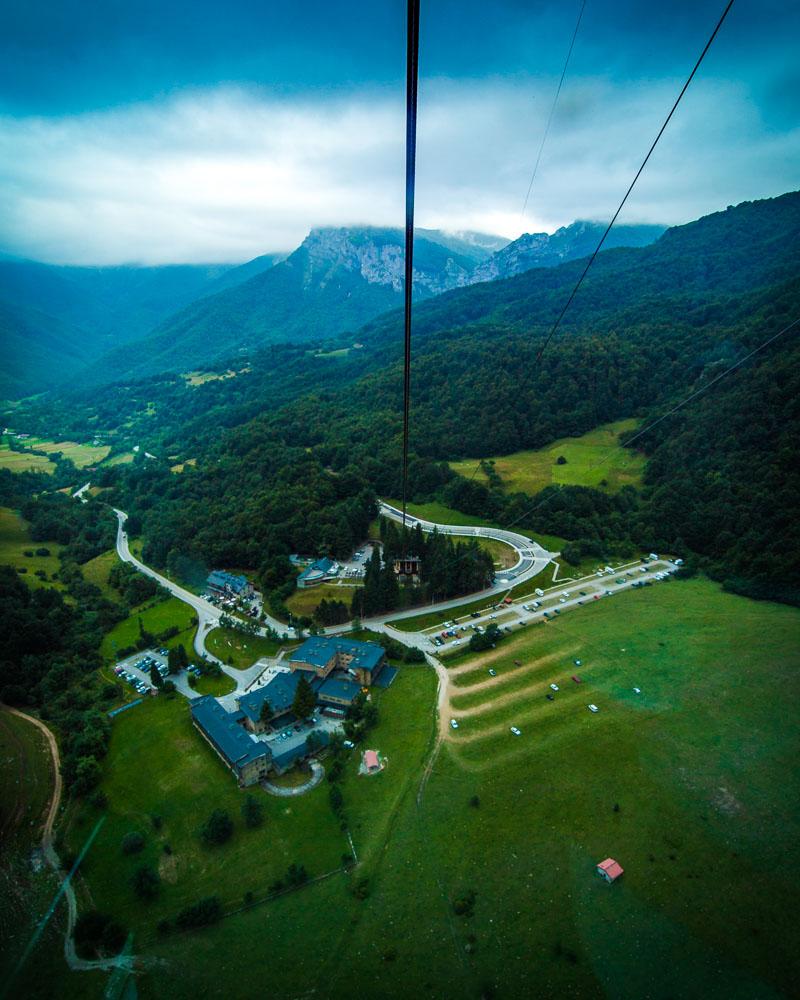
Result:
{"points": [[218, 828], [266, 712], [146, 882], [87, 775], [155, 677], [305, 700], [314, 742], [96, 933], [206, 911], [132, 842], [252, 812]]}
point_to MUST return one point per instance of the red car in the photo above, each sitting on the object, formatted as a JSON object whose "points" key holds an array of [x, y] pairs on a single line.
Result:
{"points": [[577, 679]]}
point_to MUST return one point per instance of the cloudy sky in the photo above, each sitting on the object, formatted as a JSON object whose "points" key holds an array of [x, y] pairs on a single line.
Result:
{"points": [[201, 132]]}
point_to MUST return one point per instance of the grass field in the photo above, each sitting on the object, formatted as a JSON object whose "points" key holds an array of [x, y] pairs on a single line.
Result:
{"points": [[217, 686], [124, 458], [305, 602], [26, 782], [238, 650], [594, 459], [700, 767], [155, 618], [15, 541], [185, 781], [96, 571], [18, 461], [26, 891], [80, 455]]}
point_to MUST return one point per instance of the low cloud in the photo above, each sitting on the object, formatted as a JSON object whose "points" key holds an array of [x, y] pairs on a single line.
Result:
{"points": [[227, 174]]}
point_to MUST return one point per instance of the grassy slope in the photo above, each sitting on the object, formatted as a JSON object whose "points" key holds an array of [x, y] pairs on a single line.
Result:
{"points": [[155, 618], [531, 471], [15, 540], [241, 650], [96, 571], [18, 461], [26, 781], [185, 781], [701, 766], [304, 602]]}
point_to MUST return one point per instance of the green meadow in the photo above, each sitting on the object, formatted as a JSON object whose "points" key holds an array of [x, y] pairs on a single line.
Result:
{"points": [[594, 459]]}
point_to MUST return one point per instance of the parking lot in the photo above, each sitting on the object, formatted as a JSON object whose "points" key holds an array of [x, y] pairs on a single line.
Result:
{"points": [[135, 672]]}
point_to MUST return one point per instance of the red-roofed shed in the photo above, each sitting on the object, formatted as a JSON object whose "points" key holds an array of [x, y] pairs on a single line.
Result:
{"points": [[371, 761], [610, 870]]}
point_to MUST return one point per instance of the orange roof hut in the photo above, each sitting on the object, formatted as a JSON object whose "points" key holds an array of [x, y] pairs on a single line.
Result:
{"points": [[610, 870]]}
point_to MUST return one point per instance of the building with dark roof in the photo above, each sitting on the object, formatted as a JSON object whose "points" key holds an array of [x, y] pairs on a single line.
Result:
{"points": [[227, 583], [318, 572], [321, 655], [285, 759], [248, 758], [279, 692], [338, 691]]}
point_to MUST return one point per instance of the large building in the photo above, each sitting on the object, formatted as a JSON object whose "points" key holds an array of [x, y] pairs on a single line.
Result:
{"points": [[248, 758], [226, 583], [322, 655]]}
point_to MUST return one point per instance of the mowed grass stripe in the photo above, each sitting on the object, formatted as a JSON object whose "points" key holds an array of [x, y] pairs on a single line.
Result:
{"points": [[538, 672]]}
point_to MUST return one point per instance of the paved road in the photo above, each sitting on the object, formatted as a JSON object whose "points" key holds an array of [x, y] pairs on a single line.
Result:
{"points": [[207, 613], [531, 557]]}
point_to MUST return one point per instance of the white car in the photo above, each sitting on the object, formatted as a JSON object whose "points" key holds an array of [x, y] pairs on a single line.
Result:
{"points": [[554, 687], [492, 672], [515, 731], [593, 708], [637, 690], [562, 600], [453, 724]]}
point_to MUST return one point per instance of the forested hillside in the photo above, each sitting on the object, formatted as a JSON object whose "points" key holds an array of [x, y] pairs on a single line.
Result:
{"points": [[56, 320], [300, 446]]}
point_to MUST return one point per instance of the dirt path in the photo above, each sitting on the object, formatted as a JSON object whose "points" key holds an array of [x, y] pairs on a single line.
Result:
{"points": [[49, 853]]}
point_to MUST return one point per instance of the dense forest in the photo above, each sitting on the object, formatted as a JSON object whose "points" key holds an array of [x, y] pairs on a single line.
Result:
{"points": [[291, 454]]}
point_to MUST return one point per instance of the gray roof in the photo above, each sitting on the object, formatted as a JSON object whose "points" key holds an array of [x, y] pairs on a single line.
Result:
{"points": [[318, 649], [299, 751], [236, 746], [279, 692], [338, 687]]}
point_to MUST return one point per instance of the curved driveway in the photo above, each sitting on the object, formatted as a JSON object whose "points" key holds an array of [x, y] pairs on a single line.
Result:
{"points": [[531, 557], [207, 613]]}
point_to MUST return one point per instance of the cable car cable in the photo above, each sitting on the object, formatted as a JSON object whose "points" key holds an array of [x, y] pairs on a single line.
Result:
{"points": [[638, 174]]}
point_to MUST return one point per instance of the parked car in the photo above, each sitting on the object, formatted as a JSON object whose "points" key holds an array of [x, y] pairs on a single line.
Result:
{"points": [[492, 672], [550, 697], [453, 724], [475, 614], [593, 708], [637, 690], [515, 731], [349, 744], [554, 687], [577, 679]]}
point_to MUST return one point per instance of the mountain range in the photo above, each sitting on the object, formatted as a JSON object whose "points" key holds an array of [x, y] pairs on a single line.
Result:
{"points": [[123, 322]]}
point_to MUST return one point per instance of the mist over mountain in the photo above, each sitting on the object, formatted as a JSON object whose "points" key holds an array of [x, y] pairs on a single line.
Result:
{"points": [[568, 243], [56, 320]]}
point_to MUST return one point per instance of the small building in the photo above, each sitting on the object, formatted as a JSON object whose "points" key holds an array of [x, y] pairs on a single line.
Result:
{"points": [[246, 757], [610, 870], [321, 655], [408, 567], [226, 583], [318, 572], [372, 761]]}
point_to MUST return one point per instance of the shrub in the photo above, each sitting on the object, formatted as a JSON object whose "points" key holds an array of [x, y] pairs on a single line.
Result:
{"points": [[252, 812], [205, 911], [97, 934], [464, 906], [218, 828], [132, 842], [146, 882]]}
